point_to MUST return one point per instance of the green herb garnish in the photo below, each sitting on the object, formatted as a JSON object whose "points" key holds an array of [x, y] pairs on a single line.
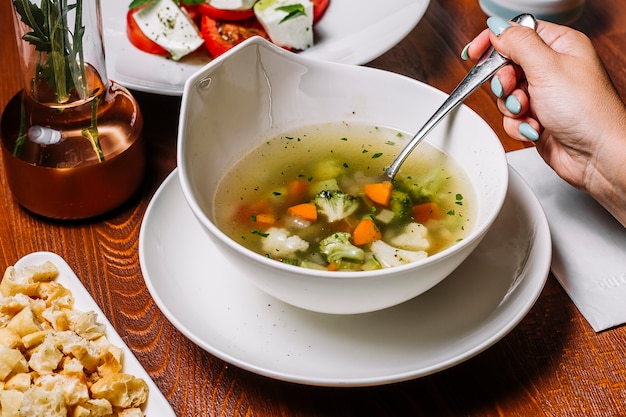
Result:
{"points": [[292, 10]]}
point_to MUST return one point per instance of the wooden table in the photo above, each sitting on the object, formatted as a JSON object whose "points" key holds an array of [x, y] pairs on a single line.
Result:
{"points": [[551, 364]]}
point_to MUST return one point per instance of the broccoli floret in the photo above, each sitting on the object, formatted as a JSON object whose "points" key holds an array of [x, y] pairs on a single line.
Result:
{"points": [[389, 256], [278, 243], [427, 187], [400, 204], [336, 204], [337, 247]]}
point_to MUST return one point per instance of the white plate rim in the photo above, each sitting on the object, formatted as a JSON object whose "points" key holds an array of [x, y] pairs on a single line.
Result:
{"points": [[156, 405], [368, 35], [539, 261]]}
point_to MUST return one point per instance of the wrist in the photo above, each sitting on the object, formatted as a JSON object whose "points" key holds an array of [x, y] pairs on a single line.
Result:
{"points": [[606, 177]]}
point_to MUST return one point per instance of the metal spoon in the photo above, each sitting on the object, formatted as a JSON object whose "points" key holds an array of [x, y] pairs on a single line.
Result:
{"points": [[489, 63]]}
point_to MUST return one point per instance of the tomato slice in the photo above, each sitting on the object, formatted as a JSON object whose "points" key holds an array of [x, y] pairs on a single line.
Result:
{"points": [[220, 14], [319, 8], [220, 36], [139, 39], [193, 12]]}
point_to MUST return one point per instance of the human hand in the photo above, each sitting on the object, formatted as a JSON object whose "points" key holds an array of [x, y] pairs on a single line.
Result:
{"points": [[558, 95]]}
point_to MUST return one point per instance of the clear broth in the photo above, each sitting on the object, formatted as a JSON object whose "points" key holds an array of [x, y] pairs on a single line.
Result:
{"points": [[353, 154]]}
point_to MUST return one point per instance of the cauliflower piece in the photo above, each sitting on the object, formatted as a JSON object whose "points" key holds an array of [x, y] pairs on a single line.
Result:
{"points": [[389, 256], [414, 237], [278, 243]]}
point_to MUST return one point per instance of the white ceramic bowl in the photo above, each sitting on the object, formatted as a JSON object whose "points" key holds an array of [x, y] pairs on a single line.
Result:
{"points": [[258, 91], [558, 11]]}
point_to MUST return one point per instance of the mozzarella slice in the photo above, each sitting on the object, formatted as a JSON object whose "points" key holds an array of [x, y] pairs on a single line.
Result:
{"points": [[232, 4], [166, 24], [295, 32]]}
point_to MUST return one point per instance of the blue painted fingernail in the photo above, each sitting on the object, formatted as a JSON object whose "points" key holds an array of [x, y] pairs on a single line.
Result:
{"points": [[513, 105], [465, 52], [497, 25], [496, 86], [528, 131]]}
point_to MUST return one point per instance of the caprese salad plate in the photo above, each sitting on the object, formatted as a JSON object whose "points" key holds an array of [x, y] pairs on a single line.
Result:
{"points": [[350, 32]]}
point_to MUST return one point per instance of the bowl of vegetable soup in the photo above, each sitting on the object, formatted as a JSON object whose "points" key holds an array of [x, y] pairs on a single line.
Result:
{"points": [[282, 160]]}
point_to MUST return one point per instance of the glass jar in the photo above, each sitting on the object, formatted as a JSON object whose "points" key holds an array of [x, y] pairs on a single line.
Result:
{"points": [[71, 138]]}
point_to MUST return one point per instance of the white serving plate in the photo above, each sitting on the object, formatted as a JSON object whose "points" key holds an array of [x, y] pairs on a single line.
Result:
{"points": [[351, 32], [205, 298], [157, 405]]}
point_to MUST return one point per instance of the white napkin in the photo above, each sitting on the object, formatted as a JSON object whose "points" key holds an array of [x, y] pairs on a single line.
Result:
{"points": [[589, 245]]}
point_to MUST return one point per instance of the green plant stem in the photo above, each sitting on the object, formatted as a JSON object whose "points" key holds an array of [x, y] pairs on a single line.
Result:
{"points": [[91, 133], [79, 31], [57, 21]]}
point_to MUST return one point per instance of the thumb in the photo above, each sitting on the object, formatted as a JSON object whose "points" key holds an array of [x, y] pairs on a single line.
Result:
{"points": [[523, 46]]}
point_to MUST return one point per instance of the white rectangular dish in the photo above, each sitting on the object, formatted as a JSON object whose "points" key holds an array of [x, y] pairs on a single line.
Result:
{"points": [[157, 405]]}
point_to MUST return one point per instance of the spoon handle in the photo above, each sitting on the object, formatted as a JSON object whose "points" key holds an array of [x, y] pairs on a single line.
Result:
{"points": [[489, 63]]}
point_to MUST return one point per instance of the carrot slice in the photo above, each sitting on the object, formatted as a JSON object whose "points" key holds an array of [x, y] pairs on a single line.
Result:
{"points": [[306, 211], [297, 190], [365, 232], [265, 218], [379, 193], [332, 267], [248, 213], [425, 212]]}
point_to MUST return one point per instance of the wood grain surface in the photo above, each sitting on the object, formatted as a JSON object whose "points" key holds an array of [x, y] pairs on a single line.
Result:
{"points": [[551, 364]]}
